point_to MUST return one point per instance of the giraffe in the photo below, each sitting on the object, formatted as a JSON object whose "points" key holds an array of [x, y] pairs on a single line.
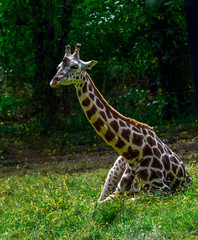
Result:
{"points": [[145, 162]]}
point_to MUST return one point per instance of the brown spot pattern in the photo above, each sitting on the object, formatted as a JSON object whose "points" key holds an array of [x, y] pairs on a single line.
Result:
{"points": [[166, 162], [135, 129], [145, 162], [173, 159], [103, 115], [143, 174], [90, 88], [109, 136], [150, 133], [108, 113], [128, 124], [115, 117], [174, 168], [91, 112], [120, 143], [131, 154], [156, 152], [79, 93], [178, 159], [98, 102], [137, 139], [151, 141], [155, 175], [158, 140], [156, 163], [145, 131], [160, 147], [91, 96], [86, 102], [147, 151], [98, 124], [168, 150], [125, 182], [122, 124], [126, 134], [85, 87], [114, 125]]}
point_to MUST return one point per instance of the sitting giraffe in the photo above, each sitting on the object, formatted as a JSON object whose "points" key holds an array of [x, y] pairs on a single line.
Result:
{"points": [[145, 162]]}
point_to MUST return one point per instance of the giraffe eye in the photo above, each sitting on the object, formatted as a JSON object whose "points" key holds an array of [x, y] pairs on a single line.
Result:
{"points": [[74, 67]]}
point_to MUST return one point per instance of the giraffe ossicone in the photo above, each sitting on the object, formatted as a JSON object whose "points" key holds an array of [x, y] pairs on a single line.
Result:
{"points": [[145, 162]]}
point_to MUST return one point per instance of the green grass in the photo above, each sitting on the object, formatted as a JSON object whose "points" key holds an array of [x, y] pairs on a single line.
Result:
{"points": [[54, 206]]}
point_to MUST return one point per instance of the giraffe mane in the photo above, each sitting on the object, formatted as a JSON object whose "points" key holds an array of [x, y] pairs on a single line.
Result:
{"points": [[116, 113]]}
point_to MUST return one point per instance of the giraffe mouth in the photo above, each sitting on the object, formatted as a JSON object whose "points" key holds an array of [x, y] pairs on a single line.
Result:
{"points": [[55, 83]]}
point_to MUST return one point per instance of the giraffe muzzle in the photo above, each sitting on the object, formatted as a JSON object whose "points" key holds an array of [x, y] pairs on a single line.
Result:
{"points": [[55, 83]]}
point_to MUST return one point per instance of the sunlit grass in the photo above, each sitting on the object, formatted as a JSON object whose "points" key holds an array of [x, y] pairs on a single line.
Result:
{"points": [[53, 206]]}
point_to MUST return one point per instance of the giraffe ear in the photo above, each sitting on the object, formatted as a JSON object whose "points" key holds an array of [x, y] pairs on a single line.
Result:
{"points": [[89, 65]]}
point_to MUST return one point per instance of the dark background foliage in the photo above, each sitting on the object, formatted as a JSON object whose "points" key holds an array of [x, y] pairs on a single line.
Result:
{"points": [[143, 69]]}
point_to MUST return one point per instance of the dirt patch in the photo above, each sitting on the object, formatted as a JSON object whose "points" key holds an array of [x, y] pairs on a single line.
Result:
{"points": [[73, 154]]}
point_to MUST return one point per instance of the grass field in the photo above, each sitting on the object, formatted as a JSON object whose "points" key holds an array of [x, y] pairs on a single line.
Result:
{"points": [[48, 194], [54, 206]]}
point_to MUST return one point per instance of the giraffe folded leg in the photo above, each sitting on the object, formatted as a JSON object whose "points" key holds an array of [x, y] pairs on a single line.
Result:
{"points": [[123, 185], [113, 177], [132, 183]]}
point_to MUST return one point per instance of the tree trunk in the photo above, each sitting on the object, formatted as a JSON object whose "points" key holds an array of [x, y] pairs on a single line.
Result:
{"points": [[191, 9], [46, 49]]}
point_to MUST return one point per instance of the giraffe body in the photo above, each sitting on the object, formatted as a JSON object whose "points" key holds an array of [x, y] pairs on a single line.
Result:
{"points": [[145, 162]]}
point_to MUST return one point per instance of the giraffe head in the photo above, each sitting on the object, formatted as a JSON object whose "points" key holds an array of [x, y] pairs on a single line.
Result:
{"points": [[71, 70]]}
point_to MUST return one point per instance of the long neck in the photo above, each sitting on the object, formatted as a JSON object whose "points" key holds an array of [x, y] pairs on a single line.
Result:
{"points": [[125, 135]]}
